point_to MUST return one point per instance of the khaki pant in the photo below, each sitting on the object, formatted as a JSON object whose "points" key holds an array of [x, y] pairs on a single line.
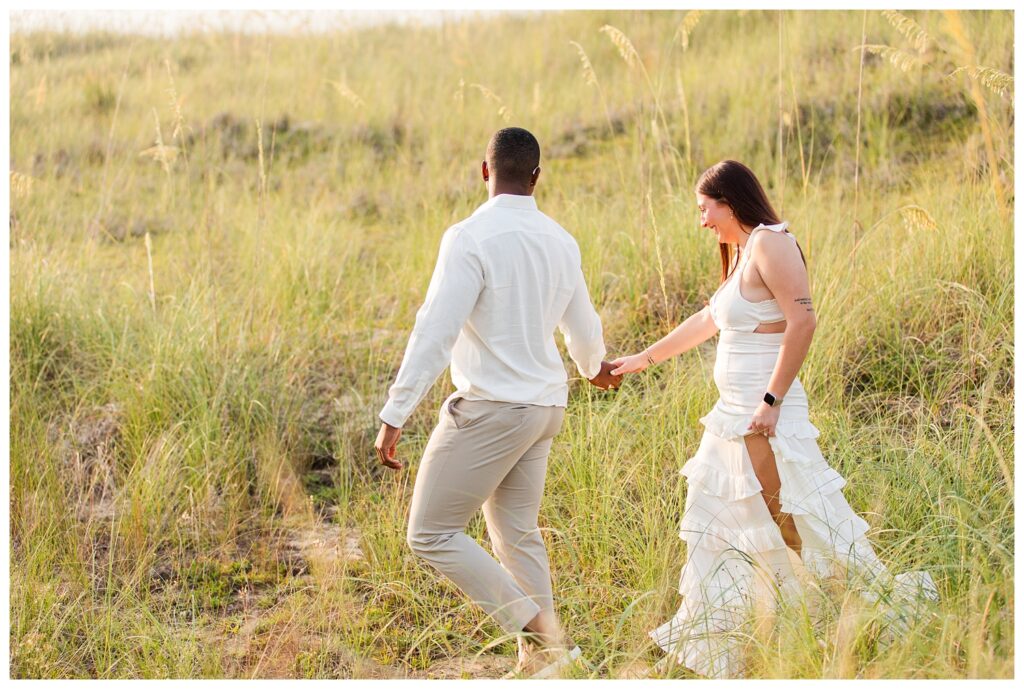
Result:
{"points": [[494, 455]]}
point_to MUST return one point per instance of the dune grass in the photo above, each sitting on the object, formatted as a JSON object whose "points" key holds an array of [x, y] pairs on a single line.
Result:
{"points": [[218, 244]]}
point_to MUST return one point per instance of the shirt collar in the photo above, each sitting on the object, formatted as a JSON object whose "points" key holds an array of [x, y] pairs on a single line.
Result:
{"points": [[509, 201]]}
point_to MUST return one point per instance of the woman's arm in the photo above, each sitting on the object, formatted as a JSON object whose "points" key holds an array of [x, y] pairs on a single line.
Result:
{"points": [[687, 335], [778, 262]]}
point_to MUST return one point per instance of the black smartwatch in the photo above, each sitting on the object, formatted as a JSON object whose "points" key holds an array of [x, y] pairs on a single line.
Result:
{"points": [[771, 400]]}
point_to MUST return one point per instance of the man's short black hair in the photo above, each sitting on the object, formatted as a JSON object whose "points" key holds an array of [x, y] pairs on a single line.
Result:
{"points": [[513, 154]]}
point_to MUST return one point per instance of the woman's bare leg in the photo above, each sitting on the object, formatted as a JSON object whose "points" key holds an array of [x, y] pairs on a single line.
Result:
{"points": [[763, 460]]}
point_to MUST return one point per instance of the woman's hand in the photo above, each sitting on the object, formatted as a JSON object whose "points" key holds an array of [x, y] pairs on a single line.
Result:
{"points": [[630, 364], [765, 419]]}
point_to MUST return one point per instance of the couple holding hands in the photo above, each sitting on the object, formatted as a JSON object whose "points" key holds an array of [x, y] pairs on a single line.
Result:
{"points": [[762, 504]]}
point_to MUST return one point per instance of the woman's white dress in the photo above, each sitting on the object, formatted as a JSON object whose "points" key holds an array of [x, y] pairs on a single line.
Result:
{"points": [[737, 560]]}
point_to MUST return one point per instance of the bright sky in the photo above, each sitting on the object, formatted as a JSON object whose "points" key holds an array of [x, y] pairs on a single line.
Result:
{"points": [[256, 21]]}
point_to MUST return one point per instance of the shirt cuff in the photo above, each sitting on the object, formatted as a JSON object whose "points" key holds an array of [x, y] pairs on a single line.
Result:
{"points": [[391, 416], [593, 365]]}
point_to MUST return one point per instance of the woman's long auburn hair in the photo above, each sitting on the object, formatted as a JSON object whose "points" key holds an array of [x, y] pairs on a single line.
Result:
{"points": [[734, 184]]}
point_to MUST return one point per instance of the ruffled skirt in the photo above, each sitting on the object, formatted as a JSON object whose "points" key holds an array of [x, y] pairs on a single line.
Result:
{"points": [[737, 560]]}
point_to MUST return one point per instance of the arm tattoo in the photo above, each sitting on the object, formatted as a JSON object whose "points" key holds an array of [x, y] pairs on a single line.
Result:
{"points": [[806, 301]]}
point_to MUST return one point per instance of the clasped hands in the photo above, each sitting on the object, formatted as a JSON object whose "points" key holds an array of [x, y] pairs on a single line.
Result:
{"points": [[607, 378]]}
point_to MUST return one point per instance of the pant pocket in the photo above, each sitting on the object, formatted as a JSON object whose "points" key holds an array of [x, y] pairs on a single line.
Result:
{"points": [[466, 413], [449, 411]]}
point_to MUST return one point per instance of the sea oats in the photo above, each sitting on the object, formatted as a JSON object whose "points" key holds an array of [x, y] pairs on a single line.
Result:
{"points": [[175, 102], [160, 152], [687, 26], [21, 185], [503, 111], [622, 42], [348, 94], [201, 441], [165, 155], [917, 218], [911, 30], [995, 80], [899, 58], [589, 78]]}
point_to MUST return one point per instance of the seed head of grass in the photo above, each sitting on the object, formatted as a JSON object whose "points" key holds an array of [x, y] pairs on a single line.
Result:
{"points": [[901, 59], [911, 30], [348, 94], [687, 26], [622, 42], [589, 78], [995, 80], [917, 218], [21, 185], [503, 111]]}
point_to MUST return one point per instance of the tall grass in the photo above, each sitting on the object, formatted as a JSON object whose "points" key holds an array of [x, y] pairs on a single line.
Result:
{"points": [[201, 335]]}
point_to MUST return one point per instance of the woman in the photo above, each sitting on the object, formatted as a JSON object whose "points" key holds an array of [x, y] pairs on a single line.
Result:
{"points": [[758, 484]]}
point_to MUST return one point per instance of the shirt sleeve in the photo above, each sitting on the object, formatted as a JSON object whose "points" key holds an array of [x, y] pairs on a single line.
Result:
{"points": [[454, 289], [581, 327]]}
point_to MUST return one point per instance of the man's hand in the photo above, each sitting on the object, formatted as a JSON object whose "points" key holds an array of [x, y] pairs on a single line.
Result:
{"points": [[605, 379], [387, 439]]}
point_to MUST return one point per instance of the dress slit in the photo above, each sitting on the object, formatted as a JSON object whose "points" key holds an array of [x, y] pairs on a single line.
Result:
{"points": [[775, 497]]}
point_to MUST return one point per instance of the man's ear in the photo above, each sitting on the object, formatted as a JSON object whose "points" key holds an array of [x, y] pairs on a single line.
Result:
{"points": [[534, 176], [484, 172]]}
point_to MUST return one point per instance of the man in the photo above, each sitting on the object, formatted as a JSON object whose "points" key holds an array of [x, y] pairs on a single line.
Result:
{"points": [[505, 278]]}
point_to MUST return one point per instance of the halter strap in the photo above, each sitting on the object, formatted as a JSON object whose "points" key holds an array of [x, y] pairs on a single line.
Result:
{"points": [[780, 228]]}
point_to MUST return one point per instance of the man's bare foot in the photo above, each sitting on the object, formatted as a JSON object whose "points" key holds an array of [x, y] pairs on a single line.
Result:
{"points": [[545, 632], [542, 644], [523, 655]]}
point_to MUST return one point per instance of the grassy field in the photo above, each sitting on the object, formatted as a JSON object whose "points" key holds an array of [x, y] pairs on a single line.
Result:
{"points": [[218, 244]]}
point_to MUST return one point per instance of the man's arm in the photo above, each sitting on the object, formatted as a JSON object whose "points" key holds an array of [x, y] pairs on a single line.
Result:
{"points": [[454, 289], [584, 337]]}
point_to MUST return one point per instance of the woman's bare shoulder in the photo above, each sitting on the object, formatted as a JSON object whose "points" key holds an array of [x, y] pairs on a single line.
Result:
{"points": [[773, 245]]}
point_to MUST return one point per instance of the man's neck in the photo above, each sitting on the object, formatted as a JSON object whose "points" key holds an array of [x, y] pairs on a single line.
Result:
{"points": [[512, 190]]}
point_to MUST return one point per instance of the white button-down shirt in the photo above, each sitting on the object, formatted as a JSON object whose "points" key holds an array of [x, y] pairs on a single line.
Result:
{"points": [[505, 278]]}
